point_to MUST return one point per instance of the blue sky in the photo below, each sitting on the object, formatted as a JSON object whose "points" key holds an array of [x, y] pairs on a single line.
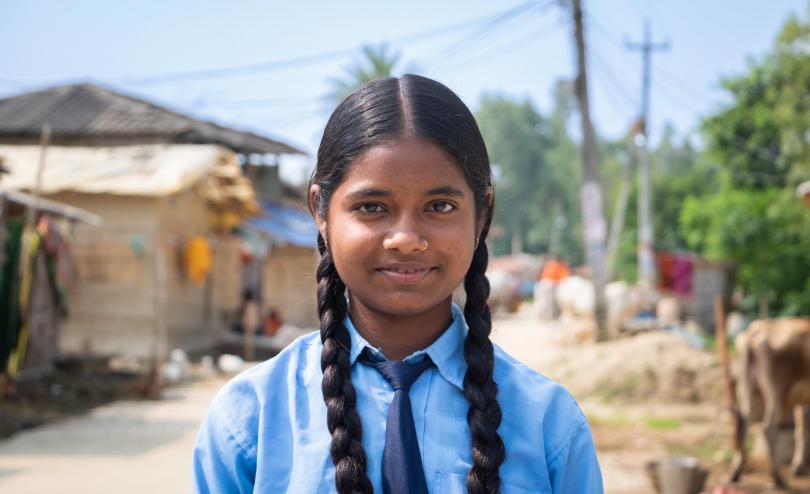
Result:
{"points": [[128, 45]]}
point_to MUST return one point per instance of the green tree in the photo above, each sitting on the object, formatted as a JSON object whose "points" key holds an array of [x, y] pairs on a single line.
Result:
{"points": [[766, 232], [761, 138], [679, 171], [760, 142], [536, 177], [376, 62]]}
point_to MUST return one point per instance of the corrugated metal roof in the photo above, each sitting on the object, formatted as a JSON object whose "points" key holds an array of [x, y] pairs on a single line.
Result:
{"points": [[149, 170], [49, 206], [89, 111], [288, 224]]}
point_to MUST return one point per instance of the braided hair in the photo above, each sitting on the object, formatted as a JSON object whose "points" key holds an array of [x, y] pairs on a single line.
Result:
{"points": [[377, 112]]}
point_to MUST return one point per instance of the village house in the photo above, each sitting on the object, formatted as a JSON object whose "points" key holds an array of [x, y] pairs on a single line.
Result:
{"points": [[164, 269]]}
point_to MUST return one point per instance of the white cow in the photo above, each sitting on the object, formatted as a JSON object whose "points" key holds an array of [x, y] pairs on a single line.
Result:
{"points": [[575, 297]]}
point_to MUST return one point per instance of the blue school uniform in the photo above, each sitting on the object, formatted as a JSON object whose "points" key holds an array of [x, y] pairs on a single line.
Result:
{"points": [[266, 429]]}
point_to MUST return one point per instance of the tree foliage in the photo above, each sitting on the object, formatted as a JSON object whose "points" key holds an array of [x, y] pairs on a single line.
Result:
{"points": [[760, 142], [537, 176], [376, 62]]}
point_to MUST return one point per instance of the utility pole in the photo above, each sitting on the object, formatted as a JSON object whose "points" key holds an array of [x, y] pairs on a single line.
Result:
{"points": [[646, 257], [595, 228], [617, 222]]}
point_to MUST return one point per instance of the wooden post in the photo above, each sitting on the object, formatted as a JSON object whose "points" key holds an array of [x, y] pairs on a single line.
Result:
{"points": [[160, 337], [728, 385], [763, 307], [617, 223], [594, 225]]}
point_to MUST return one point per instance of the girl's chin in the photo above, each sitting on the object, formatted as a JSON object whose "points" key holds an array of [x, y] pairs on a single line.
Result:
{"points": [[405, 307]]}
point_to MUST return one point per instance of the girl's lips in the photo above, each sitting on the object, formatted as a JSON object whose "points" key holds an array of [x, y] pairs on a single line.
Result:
{"points": [[405, 276]]}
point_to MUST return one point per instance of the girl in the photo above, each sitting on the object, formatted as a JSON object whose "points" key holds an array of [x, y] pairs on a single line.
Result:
{"points": [[401, 392]]}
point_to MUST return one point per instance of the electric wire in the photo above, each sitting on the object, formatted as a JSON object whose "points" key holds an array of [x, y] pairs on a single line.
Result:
{"points": [[488, 29], [313, 59]]}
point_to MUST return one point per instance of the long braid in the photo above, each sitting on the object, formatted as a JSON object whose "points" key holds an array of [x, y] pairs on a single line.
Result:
{"points": [[339, 395], [484, 415]]}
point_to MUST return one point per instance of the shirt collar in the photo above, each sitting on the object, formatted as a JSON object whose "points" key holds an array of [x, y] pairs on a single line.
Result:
{"points": [[446, 352]]}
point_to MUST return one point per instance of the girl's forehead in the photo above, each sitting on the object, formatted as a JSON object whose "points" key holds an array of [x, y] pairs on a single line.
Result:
{"points": [[408, 161]]}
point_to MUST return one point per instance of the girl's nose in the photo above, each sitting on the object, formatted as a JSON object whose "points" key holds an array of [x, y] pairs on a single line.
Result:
{"points": [[405, 241]]}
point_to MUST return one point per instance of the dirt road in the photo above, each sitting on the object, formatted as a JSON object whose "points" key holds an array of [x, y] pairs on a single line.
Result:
{"points": [[136, 447], [125, 447]]}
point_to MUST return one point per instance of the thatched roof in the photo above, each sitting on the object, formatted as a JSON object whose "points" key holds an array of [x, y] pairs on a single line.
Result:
{"points": [[86, 113]]}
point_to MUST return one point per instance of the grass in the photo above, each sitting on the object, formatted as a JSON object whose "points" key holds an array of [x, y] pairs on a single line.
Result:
{"points": [[622, 420], [611, 421], [709, 449], [662, 423]]}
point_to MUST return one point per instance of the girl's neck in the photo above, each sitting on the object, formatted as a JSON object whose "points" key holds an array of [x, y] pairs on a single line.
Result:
{"points": [[400, 336]]}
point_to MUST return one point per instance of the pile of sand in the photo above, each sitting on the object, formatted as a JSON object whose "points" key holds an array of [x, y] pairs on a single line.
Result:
{"points": [[654, 365]]}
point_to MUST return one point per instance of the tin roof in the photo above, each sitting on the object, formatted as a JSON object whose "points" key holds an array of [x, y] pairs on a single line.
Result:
{"points": [[87, 110]]}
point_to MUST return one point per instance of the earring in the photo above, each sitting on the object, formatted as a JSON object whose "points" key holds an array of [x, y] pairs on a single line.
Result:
{"points": [[326, 243], [425, 247], [476, 242]]}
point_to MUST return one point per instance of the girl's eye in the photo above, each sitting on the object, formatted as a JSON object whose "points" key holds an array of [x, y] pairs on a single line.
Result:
{"points": [[441, 207], [368, 208]]}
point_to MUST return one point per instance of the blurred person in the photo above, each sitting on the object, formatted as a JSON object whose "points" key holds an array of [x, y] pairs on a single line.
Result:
{"points": [[402, 391], [545, 289], [272, 322]]}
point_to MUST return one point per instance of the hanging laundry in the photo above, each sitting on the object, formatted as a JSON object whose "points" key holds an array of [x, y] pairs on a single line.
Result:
{"points": [[675, 272], [58, 259], [665, 263], [9, 291], [683, 270], [198, 259], [31, 244]]}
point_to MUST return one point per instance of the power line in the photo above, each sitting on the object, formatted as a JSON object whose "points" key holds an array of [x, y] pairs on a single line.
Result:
{"points": [[487, 29], [251, 104], [305, 60], [739, 144], [613, 80], [504, 49], [293, 118], [607, 35]]}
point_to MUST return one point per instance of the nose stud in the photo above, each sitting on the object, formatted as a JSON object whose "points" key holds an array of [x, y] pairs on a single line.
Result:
{"points": [[425, 247]]}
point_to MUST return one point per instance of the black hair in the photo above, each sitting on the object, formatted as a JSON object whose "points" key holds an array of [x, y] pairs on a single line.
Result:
{"points": [[375, 113]]}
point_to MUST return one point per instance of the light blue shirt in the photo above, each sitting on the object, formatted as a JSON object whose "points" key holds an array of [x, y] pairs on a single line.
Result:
{"points": [[266, 429]]}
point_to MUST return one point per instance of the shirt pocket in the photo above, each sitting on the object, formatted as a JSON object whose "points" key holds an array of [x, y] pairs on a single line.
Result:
{"points": [[454, 483]]}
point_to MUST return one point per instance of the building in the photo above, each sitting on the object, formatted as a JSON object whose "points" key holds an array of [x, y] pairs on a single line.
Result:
{"points": [[163, 270]]}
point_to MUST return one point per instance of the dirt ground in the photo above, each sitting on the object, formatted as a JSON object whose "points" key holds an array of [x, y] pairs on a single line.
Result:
{"points": [[647, 397]]}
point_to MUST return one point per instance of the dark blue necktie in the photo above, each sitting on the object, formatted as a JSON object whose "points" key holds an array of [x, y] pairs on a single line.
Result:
{"points": [[402, 464]]}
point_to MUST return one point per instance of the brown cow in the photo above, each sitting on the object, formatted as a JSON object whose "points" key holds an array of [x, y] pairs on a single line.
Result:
{"points": [[775, 361]]}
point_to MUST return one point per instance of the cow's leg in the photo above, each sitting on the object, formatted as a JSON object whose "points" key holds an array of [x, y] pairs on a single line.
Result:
{"points": [[771, 432], [801, 451], [773, 412], [742, 412], [738, 463]]}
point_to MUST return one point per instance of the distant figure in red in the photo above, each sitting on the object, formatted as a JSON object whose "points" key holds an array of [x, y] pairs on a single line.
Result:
{"points": [[555, 270]]}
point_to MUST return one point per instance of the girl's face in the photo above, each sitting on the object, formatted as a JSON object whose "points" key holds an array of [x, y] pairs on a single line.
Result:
{"points": [[394, 198]]}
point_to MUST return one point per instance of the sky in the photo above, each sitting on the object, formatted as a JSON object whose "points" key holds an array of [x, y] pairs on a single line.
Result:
{"points": [[268, 66]]}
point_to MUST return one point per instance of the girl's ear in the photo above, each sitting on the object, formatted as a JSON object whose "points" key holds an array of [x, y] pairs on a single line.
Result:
{"points": [[314, 208], [489, 196]]}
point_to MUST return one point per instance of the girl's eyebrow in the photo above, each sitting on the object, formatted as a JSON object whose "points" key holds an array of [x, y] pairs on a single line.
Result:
{"points": [[446, 190], [367, 192]]}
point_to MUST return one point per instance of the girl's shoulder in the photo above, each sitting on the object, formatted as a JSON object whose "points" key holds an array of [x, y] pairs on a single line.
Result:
{"points": [[519, 377], [528, 397], [247, 392]]}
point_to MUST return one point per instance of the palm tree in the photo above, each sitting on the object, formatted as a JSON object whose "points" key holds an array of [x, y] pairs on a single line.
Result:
{"points": [[376, 62]]}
